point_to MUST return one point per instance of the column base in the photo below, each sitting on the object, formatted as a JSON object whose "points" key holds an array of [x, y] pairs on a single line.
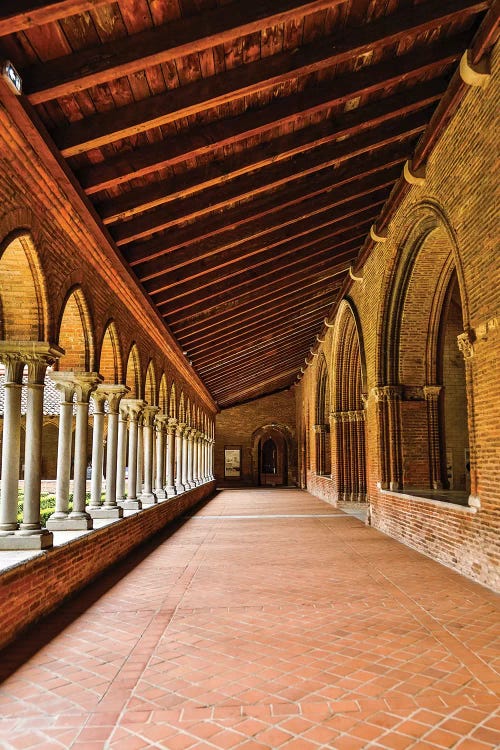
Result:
{"points": [[171, 491], [396, 486], [106, 511], [31, 542], [190, 486], [149, 499], [69, 524], [160, 494], [179, 488], [131, 504]]}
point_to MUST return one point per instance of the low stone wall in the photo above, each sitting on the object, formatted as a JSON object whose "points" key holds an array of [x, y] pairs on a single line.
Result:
{"points": [[322, 487], [456, 536], [33, 588]]}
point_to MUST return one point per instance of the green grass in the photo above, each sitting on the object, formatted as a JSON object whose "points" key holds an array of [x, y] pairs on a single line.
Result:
{"points": [[47, 505]]}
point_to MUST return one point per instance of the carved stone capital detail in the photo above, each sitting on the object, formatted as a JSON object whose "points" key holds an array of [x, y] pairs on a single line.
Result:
{"points": [[465, 344], [431, 392], [132, 408], [148, 415]]}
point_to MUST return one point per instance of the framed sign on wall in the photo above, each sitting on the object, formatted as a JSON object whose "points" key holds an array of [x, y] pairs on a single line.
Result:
{"points": [[232, 461]]}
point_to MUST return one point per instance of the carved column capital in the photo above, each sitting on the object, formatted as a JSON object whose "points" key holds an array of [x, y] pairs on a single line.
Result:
{"points": [[113, 393], [85, 383], [132, 408], [431, 392], [465, 344], [181, 428], [148, 415], [65, 384]]}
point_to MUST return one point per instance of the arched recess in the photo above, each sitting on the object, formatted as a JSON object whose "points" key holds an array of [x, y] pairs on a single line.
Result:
{"points": [[348, 416], [272, 455], [189, 416], [76, 335], [150, 393], [110, 361], [172, 405], [163, 395], [182, 409], [23, 294], [133, 375], [422, 402], [322, 423]]}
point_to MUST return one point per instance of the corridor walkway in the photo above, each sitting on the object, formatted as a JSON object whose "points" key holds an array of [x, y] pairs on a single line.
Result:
{"points": [[267, 620]]}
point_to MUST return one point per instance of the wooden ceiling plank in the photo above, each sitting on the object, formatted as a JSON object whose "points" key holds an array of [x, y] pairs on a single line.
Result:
{"points": [[235, 350], [151, 258], [252, 254], [244, 384], [178, 38], [249, 306], [21, 15], [106, 127], [150, 159], [303, 340], [249, 322], [240, 273], [319, 267], [269, 178]]}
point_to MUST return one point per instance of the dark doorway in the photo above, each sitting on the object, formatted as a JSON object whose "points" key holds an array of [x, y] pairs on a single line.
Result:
{"points": [[272, 461]]}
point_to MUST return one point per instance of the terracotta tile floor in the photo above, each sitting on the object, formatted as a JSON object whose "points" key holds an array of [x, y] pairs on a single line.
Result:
{"points": [[267, 620]]}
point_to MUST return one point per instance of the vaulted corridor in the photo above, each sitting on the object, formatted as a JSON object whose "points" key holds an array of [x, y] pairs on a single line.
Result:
{"points": [[268, 619]]}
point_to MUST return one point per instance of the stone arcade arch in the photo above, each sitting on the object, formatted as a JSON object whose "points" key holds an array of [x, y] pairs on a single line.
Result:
{"points": [[322, 423], [422, 404], [348, 415]]}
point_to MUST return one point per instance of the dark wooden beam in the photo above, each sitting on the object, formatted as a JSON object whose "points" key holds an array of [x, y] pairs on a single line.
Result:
{"points": [[269, 178], [247, 323], [243, 271], [236, 350], [106, 127], [149, 159], [360, 176], [274, 354], [20, 15], [321, 268], [177, 38], [250, 255], [285, 147], [235, 396], [252, 381], [248, 306]]}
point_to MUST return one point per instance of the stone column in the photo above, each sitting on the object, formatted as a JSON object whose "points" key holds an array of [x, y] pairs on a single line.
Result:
{"points": [[431, 394], [199, 448], [160, 420], [133, 409], [189, 460], [211, 444], [38, 359], [196, 476], [170, 488], [11, 445], [98, 398], [121, 451], [336, 453], [179, 454], [139, 477], [64, 383], [113, 394], [148, 426], [205, 457], [382, 430], [466, 344], [85, 383]]}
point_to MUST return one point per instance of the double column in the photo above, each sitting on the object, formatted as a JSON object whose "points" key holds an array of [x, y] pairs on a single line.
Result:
{"points": [[37, 356], [161, 463], [148, 420], [130, 413], [112, 394], [388, 402]]}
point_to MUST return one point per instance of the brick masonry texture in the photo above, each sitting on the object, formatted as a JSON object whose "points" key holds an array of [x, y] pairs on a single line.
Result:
{"points": [[239, 425], [32, 589], [460, 199]]}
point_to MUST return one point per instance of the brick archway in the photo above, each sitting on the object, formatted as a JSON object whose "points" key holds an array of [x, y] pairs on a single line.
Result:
{"points": [[282, 440]]}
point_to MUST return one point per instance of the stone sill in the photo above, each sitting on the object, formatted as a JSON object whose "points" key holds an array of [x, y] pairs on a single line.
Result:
{"points": [[443, 504]]}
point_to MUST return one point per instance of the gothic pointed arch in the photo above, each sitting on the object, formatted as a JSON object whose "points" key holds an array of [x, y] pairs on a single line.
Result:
{"points": [[163, 395], [76, 333], [322, 418], [423, 376], [110, 359], [150, 392], [133, 373], [348, 415]]}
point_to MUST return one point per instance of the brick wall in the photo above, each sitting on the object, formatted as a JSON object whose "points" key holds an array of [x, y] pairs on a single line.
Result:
{"points": [[450, 224], [237, 427], [32, 589]]}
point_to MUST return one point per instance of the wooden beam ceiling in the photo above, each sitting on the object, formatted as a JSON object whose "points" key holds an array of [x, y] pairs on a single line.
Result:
{"points": [[238, 155]]}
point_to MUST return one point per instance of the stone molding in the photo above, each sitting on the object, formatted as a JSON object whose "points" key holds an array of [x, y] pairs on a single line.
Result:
{"points": [[477, 75], [413, 176]]}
